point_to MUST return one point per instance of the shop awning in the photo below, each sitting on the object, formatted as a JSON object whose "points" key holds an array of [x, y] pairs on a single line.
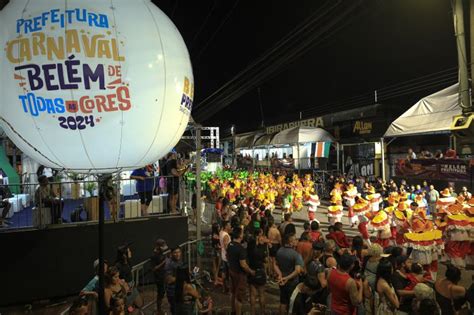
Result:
{"points": [[246, 140], [431, 114], [301, 134], [264, 140]]}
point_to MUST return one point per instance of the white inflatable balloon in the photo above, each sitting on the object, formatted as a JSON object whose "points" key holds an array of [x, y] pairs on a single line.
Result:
{"points": [[93, 85]]}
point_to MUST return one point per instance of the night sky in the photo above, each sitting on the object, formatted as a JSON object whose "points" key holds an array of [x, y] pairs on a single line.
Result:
{"points": [[381, 43]]}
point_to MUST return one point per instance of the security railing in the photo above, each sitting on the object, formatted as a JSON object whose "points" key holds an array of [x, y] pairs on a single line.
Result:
{"points": [[77, 202]]}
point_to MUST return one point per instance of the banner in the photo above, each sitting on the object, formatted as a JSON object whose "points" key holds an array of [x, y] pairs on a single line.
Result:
{"points": [[359, 160], [460, 170]]}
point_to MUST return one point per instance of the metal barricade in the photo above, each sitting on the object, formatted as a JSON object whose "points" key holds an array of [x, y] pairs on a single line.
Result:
{"points": [[76, 201]]}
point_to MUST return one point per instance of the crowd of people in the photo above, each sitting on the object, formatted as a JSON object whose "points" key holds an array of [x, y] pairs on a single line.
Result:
{"points": [[171, 275], [317, 271], [391, 267]]}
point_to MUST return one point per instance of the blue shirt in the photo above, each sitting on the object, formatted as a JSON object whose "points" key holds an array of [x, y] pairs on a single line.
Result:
{"points": [[144, 185]]}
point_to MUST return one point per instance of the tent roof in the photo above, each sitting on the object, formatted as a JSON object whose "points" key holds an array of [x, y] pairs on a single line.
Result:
{"points": [[431, 114], [264, 140], [246, 140], [301, 134]]}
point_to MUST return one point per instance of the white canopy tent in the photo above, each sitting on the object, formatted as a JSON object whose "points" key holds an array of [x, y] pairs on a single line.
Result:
{"points": [[301, 134], [300, 138], [431, 114]]}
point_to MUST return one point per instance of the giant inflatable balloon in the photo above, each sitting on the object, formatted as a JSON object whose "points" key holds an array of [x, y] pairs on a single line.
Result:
{"points": [[93, 85]]}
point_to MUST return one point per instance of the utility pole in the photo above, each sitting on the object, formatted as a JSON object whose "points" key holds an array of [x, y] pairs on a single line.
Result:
{"points": [[464, 95], [198, 190], [471, 43]]}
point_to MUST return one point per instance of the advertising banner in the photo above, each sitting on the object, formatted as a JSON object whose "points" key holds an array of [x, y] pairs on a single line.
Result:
{"points": [[459, 170]]}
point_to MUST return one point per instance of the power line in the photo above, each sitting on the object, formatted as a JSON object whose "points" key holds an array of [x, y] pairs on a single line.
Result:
{"points": [[228, 93], [224, 21], [203, 24]]}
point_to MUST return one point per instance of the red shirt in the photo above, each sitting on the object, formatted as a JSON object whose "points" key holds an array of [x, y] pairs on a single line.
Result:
{"points": [[305, 249], [340, 238], [340, 299], [315, 235]]}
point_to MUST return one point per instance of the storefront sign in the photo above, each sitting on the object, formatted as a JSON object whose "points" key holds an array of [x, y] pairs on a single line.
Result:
{"points": [[434, 169], [311, 122], [362, 127]]}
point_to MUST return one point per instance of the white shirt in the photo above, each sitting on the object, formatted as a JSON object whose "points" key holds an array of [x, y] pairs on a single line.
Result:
{"points": [[222, 236]]}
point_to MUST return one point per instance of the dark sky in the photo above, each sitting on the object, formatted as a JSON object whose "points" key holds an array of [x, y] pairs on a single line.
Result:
{"points": [[378, 46]]}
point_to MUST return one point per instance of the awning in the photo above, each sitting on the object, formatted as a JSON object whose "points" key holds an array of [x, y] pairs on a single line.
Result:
{"points": [[246, 140], [301, 134], [264, 140], [431, 114]]}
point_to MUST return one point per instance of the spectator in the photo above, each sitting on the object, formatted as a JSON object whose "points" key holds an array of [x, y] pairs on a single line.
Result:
{"points": [[117, 306], [79, 307], [115, 288], [433, 196], [238, 269], [416, 276], [186, 296], [172, 182], [5, 205], [286, 220], [400, 281], [288, 266], [46, 198], [207, 304], [158, 261], [327, 259], [316, 271], [449, 295], [122, 263], [465, 194], [145, 183], [371, 262], [124, 254], [257, 256], [171, 266], [346, 292], [216, 253], [423, 292], [453, 193], [274, 238], [301, 298], [306, 226], [92, 288], [315, 234], [224, 241], [438, 155], [451, 154], [339, 236], [305, 247], [387, 303], [411, 155], [428, 306]]}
